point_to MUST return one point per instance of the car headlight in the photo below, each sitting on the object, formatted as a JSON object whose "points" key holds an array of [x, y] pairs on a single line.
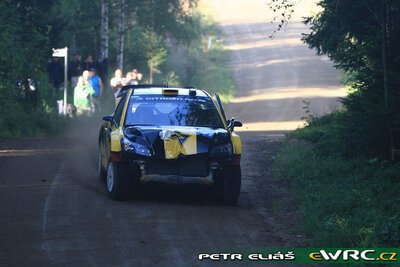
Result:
{"points": [[135, 148], [223, 150]]}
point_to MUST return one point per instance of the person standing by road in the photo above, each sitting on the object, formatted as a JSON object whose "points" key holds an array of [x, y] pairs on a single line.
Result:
{"points": [[75, 69], [102, 66], [97, 85], [128, 79], [136, 76], [116, 83], [56, 72], [82, 93], [89, 63]]}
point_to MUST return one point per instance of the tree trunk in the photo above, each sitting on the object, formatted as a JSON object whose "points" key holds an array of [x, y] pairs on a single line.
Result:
{"points": [[385, 9], [384, 55], [104, 28], [151, 73], [73, 42], [95, 44], [121, 34]]}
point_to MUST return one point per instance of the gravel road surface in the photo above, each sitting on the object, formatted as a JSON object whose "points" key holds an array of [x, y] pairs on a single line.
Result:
{"points": [[54, 211]]}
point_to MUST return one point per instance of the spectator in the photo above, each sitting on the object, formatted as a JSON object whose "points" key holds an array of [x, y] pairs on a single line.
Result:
{"points": [[134, 79], [56, 72], [139, 77], [29, 91], [102, 66], [136, 76], [97, 85], [82, 93], [116, 83], [128, 79], [89, 63], [75, 69]]}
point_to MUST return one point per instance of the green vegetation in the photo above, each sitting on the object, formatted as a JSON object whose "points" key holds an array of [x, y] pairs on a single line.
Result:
{"points": [[17, 119], [164, 40], [203, 67], [22, 40], [212, 72], [362, 38], [345, 166], [345, 201]]}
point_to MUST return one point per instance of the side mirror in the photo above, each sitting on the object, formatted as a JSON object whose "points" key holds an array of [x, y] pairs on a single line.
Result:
{"points": [[232, 124], [237, 124], [109, 118]]}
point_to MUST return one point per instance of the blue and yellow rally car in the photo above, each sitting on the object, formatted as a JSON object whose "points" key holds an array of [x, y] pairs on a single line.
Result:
{"points": [[174, 133]]}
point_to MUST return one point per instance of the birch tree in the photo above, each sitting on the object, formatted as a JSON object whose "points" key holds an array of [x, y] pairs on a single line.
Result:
{"points": [[104, 32], [121, 34]]}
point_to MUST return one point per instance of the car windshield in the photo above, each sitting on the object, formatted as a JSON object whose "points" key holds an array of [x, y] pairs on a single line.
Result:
{"points": [[172, 111]]}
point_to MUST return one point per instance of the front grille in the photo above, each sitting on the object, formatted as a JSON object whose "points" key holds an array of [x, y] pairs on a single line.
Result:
{"points": [[164, 167], [194, 166]]}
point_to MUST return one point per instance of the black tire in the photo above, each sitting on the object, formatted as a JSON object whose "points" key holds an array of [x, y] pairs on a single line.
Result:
{"points": [[227, 184], [134, 176], [118, 183], [102, 174]]}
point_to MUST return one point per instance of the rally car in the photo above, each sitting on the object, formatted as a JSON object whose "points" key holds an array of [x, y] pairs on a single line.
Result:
{"points": [[180, 134]]}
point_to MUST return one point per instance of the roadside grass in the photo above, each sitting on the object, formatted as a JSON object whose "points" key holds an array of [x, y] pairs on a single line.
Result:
{"points": [[23, 123], [344, 201], [20, 119]]}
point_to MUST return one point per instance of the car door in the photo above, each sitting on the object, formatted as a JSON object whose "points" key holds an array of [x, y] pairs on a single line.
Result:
{"points": [[111, 126]]}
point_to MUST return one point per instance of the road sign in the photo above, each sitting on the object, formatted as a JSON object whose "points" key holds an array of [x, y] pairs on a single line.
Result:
{"points": [[63, 52], [59, 52]]}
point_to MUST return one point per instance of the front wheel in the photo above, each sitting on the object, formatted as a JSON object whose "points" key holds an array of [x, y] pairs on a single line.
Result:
{"points": [[227, 184], [134, 177], [117, 180], [101, 171]]}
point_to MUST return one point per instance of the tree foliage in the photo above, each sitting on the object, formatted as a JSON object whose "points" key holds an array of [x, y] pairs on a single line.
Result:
{"points": [[283, 10], [362, 37], [29, 29], [20, 35]]}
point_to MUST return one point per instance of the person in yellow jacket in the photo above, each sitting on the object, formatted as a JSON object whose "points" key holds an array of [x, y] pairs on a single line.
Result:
{"points": [[82, 95]]}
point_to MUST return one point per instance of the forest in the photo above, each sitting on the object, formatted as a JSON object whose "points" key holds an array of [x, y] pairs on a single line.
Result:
{"points": [[164, 40], [345, 165]]}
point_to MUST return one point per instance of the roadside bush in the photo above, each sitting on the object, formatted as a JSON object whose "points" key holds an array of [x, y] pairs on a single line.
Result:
{"points": [[24, 45], [325, 132], [362, 39], [344, 202], [19, 118]]}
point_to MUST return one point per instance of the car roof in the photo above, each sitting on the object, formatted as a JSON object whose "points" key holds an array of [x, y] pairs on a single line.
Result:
{"points": [[159, 91], [150, 89]]}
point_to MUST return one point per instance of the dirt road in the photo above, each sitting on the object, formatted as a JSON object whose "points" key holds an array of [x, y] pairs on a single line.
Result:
{"points": [[273, 76], [55, 211]]}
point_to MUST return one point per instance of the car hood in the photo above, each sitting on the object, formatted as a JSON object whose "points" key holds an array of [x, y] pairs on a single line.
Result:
{"points": [[171, 142]]}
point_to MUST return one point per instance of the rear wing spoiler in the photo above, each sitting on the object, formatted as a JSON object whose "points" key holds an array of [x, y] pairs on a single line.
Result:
{"points": [[125, 88]]}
